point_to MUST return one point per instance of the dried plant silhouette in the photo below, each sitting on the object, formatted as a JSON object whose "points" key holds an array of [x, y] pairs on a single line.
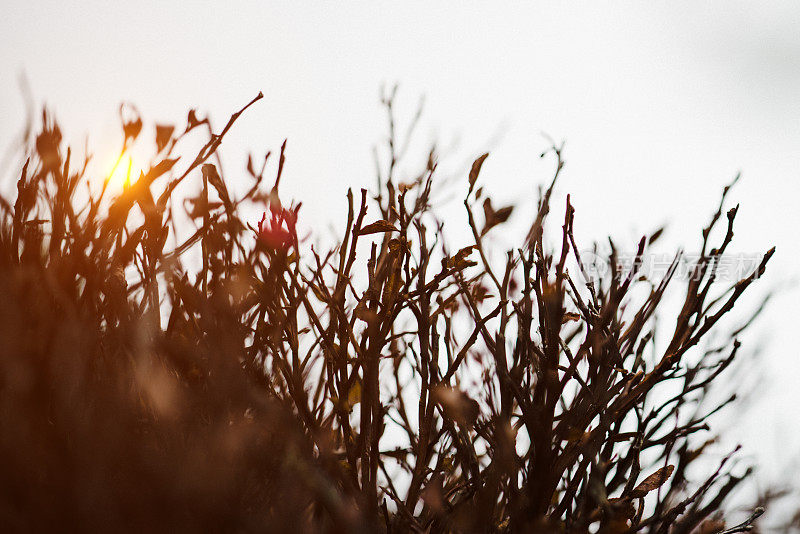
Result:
{"points": [[386, 384]]}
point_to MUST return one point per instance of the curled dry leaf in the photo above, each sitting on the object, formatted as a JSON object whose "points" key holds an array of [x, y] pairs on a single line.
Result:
{"points": [[494, 217], [131, 126], [377, 227], [461, 259], [476, 169], [653, 482], [192, 121]]}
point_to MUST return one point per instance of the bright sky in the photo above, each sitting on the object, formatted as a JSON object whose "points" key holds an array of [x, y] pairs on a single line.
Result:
{"points": [[660, 104]]}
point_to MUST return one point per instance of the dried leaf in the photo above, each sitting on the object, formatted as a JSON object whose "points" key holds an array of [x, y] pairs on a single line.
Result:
{"points": [[391, 287], [163, 135], [210, 173], [457, 405], [461, 261], [130, 127], [160, 168], [397, 245], [493, 218], [192, 120], [476, 169], [199, 207], [377, 227], [479, 293], [655, 235], [710, 526], [354, 395], [653, 482]]}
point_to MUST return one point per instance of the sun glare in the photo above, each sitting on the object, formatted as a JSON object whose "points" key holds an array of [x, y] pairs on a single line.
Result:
{"points": [[119, 177]]}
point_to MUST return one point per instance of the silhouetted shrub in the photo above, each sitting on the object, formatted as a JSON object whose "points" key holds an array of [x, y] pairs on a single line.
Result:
{"points": [[386, 384]]}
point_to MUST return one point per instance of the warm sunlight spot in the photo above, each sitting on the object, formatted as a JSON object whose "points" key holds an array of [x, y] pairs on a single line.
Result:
{"points": [[121, 174]]}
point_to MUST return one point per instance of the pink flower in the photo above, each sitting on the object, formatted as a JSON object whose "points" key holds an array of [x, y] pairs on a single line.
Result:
{"points": [[278, 232]]}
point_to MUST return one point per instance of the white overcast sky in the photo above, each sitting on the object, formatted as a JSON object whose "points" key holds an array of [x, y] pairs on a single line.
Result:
{"points": [[660, 104]]}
